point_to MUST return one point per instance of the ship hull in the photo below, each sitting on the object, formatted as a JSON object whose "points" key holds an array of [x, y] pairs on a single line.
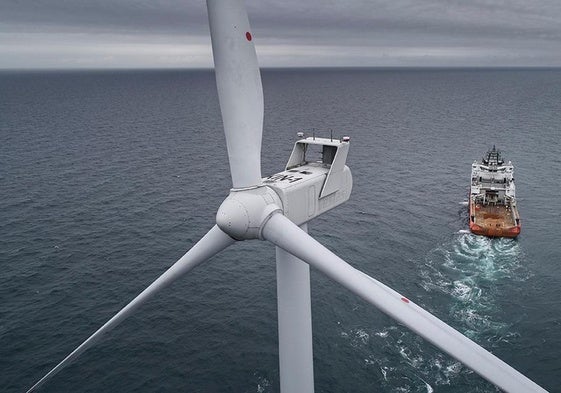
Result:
{"points": [[494, 221]]}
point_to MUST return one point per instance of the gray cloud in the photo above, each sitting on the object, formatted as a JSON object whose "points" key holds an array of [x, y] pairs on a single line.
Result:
{"points": [[171, 33]]}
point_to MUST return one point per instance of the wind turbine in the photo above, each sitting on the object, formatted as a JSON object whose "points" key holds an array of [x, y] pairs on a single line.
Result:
{"points": [[277, 209]]}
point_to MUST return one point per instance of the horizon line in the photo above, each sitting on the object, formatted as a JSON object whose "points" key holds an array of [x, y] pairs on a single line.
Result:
{"points": [[281, 68]]}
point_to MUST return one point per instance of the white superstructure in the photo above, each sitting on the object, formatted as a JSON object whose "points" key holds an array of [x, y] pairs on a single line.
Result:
{"points": [[492, 181]]}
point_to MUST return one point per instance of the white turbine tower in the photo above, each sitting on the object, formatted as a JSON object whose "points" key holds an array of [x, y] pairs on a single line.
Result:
{"points": [[277, 209]]}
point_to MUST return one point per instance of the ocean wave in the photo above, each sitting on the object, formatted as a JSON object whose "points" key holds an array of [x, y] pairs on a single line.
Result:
{"points": [[402, 360]]}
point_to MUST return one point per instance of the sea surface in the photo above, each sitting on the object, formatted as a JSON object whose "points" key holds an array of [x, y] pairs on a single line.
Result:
{"points": [[107, 178]]}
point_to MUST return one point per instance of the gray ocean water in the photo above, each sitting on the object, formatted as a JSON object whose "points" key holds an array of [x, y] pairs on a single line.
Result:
{"points": [[106, 178]]}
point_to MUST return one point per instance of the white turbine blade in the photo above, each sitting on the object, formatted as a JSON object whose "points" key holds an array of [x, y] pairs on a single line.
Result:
{"points": [[211, 244], [285, 234], [239, 89]]}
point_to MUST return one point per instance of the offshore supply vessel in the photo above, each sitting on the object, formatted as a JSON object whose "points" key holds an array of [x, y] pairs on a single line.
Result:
{"points": [[492, 199]]}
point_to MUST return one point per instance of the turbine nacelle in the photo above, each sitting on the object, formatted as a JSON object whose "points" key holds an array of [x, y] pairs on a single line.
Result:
{"points": [[316, 178], [308, 187]]}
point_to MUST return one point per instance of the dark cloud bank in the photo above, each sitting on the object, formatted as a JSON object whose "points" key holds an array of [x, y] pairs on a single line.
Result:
{"points": [[167, 33]]}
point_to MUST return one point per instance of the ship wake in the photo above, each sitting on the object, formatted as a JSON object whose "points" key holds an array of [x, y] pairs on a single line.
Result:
{"points": [[470, 270], [462, 278]]}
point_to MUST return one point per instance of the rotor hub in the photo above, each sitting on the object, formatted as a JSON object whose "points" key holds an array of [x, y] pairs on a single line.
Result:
{"points": [[243, 213]]}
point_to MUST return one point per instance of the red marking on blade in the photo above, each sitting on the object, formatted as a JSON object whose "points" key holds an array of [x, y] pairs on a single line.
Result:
{"points": [[248, 36], [405, 300]]}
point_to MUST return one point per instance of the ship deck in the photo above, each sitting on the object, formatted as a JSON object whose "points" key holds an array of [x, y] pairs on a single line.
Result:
{"points": [[493, 220]]}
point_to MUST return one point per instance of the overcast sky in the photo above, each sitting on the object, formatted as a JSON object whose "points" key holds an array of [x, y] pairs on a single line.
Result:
{"points": [[174, 33]]}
